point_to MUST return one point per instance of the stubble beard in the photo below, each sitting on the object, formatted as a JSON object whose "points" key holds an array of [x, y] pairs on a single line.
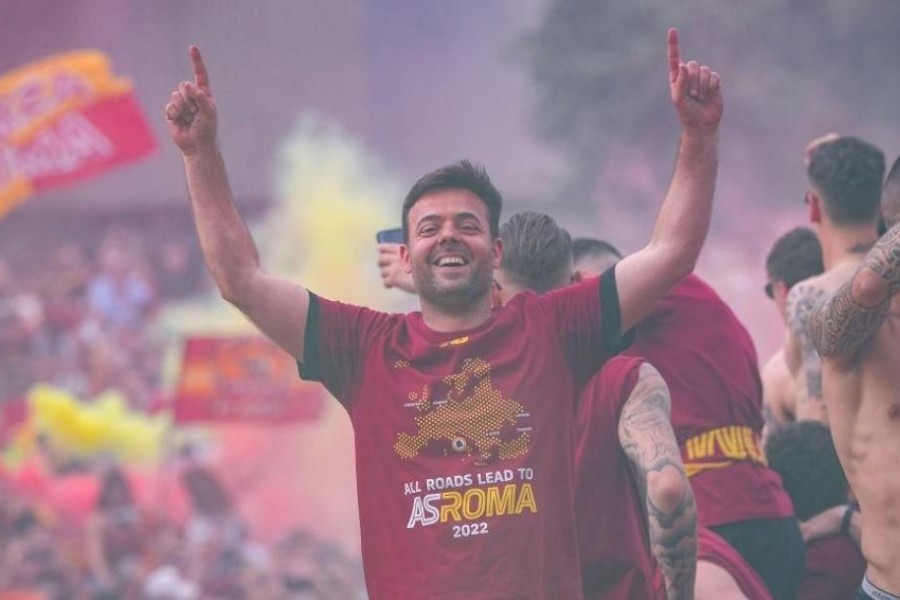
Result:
{"points": [[456, 297]]}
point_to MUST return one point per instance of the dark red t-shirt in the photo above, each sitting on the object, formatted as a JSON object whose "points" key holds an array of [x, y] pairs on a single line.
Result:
{"points": [[834, 568], [613, 537], [709, 362], [711, 547], [464, 440]]}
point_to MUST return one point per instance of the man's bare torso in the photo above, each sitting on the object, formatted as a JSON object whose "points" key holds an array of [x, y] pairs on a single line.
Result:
{"points": [[862, 395]]}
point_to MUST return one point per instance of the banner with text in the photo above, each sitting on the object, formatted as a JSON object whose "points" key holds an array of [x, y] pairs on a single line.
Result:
{"points": [[63, 119], [242, 379]]}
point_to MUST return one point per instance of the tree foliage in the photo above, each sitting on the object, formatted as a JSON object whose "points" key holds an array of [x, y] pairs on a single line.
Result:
{"points": [[791, 71]]}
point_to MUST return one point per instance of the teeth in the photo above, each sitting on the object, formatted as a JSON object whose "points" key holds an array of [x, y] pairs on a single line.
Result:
{"points": [[451, 261]]}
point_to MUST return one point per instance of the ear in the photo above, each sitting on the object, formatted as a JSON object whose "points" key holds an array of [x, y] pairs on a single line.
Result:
{"points": [[496, 296], [405, 259], [497, 252], [780, 291], [815, 207]]}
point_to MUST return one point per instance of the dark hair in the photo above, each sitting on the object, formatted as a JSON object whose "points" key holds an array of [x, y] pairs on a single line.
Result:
{"points": [[795, 256], [460, 175], [585, 247], [848, 173], [804, 455], [537, 252], [890, 198]]}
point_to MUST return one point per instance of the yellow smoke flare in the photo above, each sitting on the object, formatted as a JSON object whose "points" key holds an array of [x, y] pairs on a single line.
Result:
{"points": [[333, 195], [102, 427]]}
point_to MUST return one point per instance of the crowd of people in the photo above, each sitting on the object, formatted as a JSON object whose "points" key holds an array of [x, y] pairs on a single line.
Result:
{"points": [[78, 315], [126, 552], [558, 421]]}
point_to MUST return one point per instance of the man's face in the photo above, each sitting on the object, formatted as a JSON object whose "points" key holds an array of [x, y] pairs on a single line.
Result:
{"points": [[451, 253]]}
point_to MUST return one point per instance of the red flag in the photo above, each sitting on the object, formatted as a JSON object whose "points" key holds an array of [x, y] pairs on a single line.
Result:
{"points": [[243, 379], [64, 119]]}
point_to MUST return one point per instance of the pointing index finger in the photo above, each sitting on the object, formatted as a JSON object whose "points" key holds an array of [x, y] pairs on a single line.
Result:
{"points": [[201, 77], [674, 56]]}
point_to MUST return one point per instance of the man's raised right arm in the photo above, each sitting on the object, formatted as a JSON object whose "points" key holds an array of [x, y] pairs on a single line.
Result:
{"points": [[642, 278], [278, 307], [841, 325]]}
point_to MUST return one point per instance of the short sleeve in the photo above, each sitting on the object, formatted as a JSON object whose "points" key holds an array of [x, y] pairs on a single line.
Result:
{"points": [[587, 319], [337, 338]]}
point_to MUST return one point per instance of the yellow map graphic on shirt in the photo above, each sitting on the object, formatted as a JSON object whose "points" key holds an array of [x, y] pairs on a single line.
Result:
{"points": [[470, 419]]}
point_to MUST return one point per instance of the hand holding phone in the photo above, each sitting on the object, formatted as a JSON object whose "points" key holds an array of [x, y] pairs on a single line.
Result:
{"points": [[393, 275], [390, 236]]}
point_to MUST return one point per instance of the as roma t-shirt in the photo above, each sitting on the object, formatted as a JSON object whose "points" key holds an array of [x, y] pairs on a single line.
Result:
{"points": [[464, 440]]}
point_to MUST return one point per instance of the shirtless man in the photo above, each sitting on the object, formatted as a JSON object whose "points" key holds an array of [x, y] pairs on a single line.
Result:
{"points": [[857, 333], [795, 256], [845, 176]]}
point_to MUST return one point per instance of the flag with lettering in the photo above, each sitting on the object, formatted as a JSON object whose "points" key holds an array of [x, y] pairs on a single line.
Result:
{"points": [[66, 118], [242, 379]]}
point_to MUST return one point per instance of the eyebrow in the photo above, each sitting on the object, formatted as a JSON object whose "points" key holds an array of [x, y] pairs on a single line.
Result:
{"points": [[457, 217]]}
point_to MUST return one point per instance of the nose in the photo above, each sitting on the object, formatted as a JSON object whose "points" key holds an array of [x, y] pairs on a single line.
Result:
{"points": [[448, 233]]}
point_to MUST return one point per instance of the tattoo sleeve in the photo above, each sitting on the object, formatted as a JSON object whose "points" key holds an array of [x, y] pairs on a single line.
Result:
{"points": [[647, 438], [802, 301], [857, 310]]}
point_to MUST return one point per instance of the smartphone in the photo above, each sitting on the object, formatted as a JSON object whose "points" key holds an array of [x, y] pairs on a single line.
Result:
{"points": [[390, 236]]}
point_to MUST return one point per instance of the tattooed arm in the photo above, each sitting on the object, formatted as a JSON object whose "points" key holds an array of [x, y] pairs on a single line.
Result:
{"points": [[856, 311], [646, 436], [801, 302]]}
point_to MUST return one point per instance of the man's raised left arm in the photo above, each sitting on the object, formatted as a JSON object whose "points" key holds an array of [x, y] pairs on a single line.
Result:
{"points": [[644, 277]]}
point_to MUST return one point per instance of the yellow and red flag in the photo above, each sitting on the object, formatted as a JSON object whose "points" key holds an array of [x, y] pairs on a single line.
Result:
{"points": [[242, 379], [65, 118]]}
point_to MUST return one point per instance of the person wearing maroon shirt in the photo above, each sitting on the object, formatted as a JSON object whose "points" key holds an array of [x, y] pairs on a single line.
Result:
{"points": [[634, 510], [634, 507], [709, 363], [462, 414]]}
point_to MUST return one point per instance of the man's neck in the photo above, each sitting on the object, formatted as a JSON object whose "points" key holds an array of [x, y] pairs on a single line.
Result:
{"points": [[845, 244], [447, 321]]}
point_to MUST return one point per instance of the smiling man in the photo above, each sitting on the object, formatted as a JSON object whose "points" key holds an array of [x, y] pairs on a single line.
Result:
{"points": [[462, 414]]}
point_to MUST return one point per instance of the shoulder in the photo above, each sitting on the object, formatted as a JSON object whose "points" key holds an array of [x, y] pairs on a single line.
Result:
{"points": [[617, 378], [834, 278], [805, 295], [777, 380], [776, 367], [620, 366]]}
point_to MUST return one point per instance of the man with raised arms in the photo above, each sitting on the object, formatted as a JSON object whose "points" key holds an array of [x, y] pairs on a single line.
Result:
{"points": [[462, 414], [857, 334]]}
